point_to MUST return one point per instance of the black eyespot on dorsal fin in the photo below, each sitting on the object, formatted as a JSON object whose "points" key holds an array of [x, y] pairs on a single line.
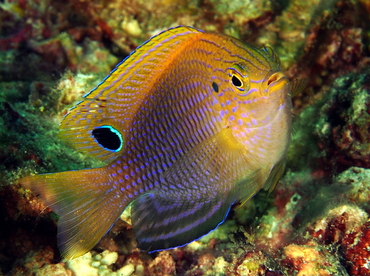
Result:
{"points": [[108, 137]]}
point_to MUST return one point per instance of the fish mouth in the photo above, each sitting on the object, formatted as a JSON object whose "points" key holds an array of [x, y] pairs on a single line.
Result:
{"points": [[277, 81], [277, 100]]}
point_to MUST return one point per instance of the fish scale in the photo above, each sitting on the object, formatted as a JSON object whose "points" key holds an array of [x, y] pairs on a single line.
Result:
{"points": [[190, 123]]}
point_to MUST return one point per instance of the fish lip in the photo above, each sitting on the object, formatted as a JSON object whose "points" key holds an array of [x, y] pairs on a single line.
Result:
{"points": [[276, 79], [279, 86]]}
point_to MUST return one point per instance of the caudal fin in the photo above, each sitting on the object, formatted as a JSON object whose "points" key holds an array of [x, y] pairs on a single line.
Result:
{"points": [[86, 201]]}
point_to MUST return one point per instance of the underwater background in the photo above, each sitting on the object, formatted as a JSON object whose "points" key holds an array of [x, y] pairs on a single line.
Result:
{"points": [[315, 222]]}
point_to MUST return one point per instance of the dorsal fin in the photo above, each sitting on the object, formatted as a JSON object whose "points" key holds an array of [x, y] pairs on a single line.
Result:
{"points": [[108, 110]]}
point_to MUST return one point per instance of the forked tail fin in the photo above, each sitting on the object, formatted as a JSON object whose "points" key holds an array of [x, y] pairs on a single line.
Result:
{"points": [[87, 202]]}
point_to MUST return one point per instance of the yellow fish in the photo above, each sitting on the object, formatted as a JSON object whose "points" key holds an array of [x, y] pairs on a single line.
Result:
{"points": [[190, 123]]}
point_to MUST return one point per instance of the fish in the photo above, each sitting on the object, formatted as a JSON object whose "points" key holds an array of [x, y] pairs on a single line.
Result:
{"points": [[189, 124]]}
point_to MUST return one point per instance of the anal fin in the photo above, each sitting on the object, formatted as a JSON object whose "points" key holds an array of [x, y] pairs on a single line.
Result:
{"points": [[162, 222]]}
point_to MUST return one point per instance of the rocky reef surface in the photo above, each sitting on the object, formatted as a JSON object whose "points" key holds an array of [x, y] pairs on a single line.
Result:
{"points": [[316, 221]]}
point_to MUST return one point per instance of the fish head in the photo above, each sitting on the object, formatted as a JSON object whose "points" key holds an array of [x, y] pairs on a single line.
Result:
{"points": [[256, 102], [254, 97]]}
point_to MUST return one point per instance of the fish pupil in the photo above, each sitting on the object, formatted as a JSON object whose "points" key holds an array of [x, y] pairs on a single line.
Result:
{"points": [[215, 87], [236, 81], [108, 137]]}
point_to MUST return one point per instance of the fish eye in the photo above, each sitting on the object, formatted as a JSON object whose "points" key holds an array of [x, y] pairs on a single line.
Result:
{"points": [[108, 137], [239, 80]]}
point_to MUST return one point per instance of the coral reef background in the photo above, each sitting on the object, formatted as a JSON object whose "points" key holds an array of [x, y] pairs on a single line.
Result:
{"points": [[316, 221]]}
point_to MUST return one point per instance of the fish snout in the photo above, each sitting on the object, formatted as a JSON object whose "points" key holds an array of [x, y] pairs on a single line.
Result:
{"points": [[277, 81]]}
